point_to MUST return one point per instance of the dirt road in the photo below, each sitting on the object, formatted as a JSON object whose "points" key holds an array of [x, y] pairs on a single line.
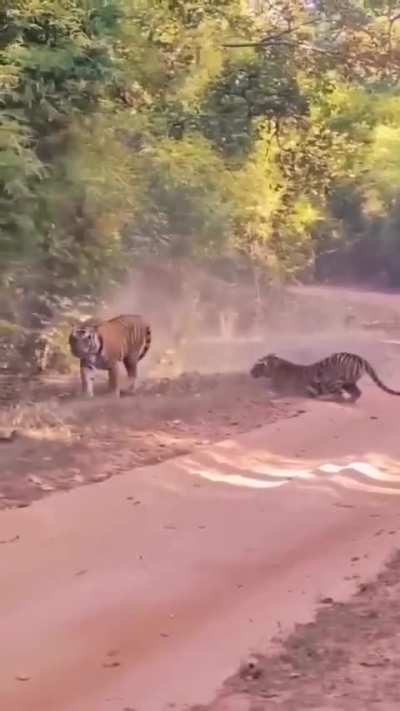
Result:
{"points": [[145, 591]]}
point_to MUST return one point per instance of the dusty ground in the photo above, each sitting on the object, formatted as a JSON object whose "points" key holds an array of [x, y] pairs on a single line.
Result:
{"points": [[347, 659], [147, 590], [63, 441]]}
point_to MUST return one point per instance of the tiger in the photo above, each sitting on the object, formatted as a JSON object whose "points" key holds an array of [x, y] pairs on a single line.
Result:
{"points": [[332, 376], [102, 345]]}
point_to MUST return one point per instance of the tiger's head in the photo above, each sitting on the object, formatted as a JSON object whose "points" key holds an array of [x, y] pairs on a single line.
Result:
{"points": [[85, 341], [265, 366]]}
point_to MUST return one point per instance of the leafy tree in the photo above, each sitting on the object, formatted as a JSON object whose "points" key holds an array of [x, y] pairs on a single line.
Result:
{"points": [[265, 131]]}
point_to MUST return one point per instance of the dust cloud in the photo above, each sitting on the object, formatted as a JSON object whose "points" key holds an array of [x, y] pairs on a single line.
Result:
{"points": [[203, 321]]}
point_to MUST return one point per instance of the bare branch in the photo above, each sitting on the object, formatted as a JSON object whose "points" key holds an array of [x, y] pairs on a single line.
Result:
{"points": [[289, 30], [274, 38], [282, 43]]}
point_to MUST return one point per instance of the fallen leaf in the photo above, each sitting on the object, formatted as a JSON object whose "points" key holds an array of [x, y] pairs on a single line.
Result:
{"points": [[37, 481], [10, 540], [374, 663], [111, 665]]}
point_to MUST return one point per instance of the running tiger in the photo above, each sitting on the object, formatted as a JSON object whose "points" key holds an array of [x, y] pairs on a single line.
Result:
{"points": [[334, 376], [102, 345]]}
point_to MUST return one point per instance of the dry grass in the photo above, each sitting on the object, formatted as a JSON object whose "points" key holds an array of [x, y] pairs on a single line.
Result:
{"points": [[347, 660], [67, 442], [40, 420]]}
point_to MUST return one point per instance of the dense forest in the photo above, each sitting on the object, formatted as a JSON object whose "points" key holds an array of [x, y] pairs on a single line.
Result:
{"points": [[267, 131]]}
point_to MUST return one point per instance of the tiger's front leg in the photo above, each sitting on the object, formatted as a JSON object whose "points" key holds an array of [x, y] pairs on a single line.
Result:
{"points": [[87, 379], [113, 380], [131, 371]]}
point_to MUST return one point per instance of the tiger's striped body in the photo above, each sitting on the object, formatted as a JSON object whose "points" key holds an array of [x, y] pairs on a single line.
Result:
{"points": [[102, 345], [333, 376]]}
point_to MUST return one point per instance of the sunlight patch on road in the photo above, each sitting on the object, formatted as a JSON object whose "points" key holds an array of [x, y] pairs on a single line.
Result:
{"points": [[362, 467], [350, 483], [274, 467], [257, 470], [366, 468], [216, 475]]}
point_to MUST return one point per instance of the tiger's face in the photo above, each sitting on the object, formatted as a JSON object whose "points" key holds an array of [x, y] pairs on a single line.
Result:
{"points": [[84, 342], [265, 367]]}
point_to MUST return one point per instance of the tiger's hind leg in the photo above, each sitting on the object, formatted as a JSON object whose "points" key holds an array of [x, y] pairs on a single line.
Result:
{"points": [[322, 389], [314, 390], [326, 390], [335, 393], [130, 364], [353, 390]]}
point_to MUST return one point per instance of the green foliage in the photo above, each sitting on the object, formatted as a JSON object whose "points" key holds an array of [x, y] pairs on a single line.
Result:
{"points": [[189, 189], [199, 128], [244, 92], [19, 170]]}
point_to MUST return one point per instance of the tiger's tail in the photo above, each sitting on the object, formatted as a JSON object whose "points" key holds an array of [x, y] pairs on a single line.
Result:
{"points": [[146, 342], [371, 372]]}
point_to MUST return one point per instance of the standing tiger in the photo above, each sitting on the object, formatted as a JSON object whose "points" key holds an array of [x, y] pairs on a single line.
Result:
{"points": [[102, 345], [335, 375]]}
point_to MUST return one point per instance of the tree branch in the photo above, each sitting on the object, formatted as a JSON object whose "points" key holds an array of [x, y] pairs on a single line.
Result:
{"points": [[275, 37], [281, 43]]}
